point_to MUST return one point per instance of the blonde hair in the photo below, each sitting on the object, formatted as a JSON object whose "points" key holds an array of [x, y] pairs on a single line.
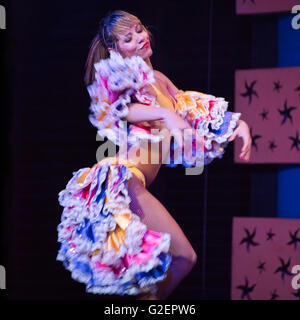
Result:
{"points": [[113, 24]]}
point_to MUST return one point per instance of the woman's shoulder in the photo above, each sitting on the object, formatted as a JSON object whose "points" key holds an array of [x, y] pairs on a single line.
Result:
{"points": [[160, 76], [173, 90]]}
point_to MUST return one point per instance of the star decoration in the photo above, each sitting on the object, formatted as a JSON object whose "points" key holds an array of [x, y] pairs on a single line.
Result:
{"points": [[297, 294], [246, 290], [277, 86], [254, 138], [296, 142], [250, 91], [274, 295], [270, 235], [286, 112], [294, 239], [249, 239], [261, 267], [264, 114], [298, 89], [272, 145], [284, 268]]}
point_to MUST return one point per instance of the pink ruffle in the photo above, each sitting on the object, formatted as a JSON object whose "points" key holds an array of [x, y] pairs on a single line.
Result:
{"points": [[151, 240]]}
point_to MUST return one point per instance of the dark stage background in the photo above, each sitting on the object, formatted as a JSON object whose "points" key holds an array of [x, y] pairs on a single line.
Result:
{"points": [[47, 135]]}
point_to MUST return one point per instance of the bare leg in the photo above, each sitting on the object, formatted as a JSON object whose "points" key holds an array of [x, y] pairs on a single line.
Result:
{"points": [[155, 216]]}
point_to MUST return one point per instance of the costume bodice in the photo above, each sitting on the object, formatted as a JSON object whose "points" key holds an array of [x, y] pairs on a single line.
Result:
{"points": [[163, 100]]}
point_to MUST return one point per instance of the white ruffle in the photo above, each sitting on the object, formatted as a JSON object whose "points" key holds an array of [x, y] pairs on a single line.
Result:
{"points": [[210, 136], [217, 111], [118, 80], [205, 119], [77, 217], [108, 282], [217, 144], [108, 277]]}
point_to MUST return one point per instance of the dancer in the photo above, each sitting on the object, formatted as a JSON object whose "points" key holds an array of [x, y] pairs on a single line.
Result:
{"points": [[115, 236]]}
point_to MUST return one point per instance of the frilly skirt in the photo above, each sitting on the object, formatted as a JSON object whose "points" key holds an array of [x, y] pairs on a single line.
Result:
{"points": [[103, 243]]}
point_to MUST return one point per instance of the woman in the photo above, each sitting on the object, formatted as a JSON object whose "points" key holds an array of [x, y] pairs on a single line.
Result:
{"points": [[125, 241]]}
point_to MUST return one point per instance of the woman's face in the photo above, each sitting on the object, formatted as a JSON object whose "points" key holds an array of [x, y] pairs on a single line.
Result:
{"points": [[135, 42]]}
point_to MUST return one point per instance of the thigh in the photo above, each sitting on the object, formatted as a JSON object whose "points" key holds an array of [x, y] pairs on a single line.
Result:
{"points": [[156, 217]]}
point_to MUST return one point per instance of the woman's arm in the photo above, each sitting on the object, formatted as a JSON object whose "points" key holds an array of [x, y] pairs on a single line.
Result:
{"points": [[241, 130], [138, 112]]}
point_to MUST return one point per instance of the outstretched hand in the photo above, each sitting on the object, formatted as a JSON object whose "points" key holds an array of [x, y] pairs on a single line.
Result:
{"points": [[242, 131]]}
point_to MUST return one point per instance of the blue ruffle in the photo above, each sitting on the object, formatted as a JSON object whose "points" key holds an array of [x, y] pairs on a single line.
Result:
{"points": [[157, 272], [224, 126]]}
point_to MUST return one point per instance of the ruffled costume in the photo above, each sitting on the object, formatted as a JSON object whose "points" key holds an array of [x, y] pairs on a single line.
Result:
{"points": [[103, 243], [208, 115]]}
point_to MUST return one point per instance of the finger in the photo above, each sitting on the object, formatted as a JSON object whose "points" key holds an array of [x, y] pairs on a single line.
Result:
{"points": [[246, 156], [246, 145], [249, 154], [244, 151]]}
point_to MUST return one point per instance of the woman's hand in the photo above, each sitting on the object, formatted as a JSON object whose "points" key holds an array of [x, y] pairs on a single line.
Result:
{"points": [[242, 131], [174, 121], [175, 124]]}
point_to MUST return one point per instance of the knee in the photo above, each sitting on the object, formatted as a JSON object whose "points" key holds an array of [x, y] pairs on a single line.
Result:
{"points": [[187, 255], [190, 258], [193, 257]]}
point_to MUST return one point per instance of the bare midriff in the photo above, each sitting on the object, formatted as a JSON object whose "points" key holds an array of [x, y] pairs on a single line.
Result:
{"points": [[148, 157], [155, 152], [155, 160]]}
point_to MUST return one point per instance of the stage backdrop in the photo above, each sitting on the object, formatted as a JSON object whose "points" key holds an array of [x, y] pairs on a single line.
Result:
{"points": [[264, 252], [269, 100], [264, 6]]}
